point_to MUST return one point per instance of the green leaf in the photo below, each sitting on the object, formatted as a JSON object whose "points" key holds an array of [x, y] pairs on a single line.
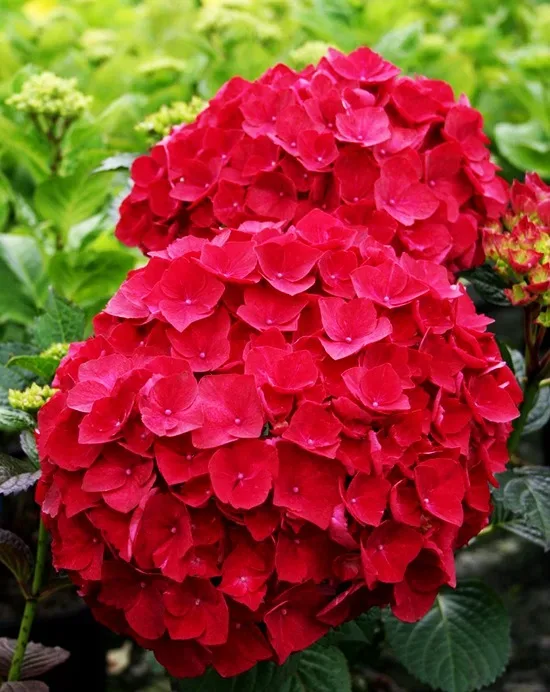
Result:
{"points": [[9, 349], [16, 555], [26, 146], [61, 323], [12, 420], [15, 305], [116, 162], [539, 415], [43, 366], [10, 379], [22, 255], [16, 475], [39, 659], [360, 630], [317, 669], [526, 146], [68, 201], [462, 644], [488, 284], [527, 495], [28, 445]]}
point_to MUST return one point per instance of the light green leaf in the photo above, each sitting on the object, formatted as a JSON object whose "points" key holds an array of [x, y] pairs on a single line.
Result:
{"points": [[462, 644], [61, 323], [22, 255], [116, 162], [26, 146], [526, 146], [68, 201], [15, 305]]}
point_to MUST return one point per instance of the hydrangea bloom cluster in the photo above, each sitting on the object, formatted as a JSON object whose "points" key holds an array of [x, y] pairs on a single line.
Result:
{"points": [[519, 248], [393, 154], [270, 432]]}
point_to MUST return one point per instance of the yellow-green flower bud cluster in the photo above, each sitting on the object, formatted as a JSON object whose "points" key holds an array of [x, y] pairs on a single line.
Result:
{"points": [[51, 96], [32, 398], [160, 123]]}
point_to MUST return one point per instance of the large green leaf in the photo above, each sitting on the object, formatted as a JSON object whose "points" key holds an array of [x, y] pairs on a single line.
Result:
{"points": [[61, 323], [462, 644], [539, 415], [317, 669], [68, 201], [526, 493], [15, 305]]}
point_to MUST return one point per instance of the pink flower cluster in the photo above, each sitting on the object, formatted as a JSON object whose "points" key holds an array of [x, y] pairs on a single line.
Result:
{"points": [[394, 155], [271, 432]]}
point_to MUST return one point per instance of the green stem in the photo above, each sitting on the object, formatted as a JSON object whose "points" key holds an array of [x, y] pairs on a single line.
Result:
{"points": [[30, 605]]}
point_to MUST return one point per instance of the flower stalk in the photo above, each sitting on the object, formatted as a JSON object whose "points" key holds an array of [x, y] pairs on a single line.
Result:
{"points": [[30, 605]]}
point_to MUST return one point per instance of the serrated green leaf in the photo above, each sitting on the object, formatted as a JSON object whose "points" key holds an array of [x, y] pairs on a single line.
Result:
{"points": [[61, 323], [488, 284], [527, 495], [16, 475], [539, 415], [43, 366], [16, 556], [10, 379], [317, 669], [12, 420], [68, 201], [462, 644], [9, 349]]}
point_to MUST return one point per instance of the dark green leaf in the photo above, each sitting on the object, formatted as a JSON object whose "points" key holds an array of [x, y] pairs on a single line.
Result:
{"points": [[12, 420], [28, 445], [539, 415], [361, 630], [16, 555], [9, 349], [57, 583], [39, 659], [462, 644], [526, 493], [488, 284], [317, 669], [61, 323], [43, 366], [10, 379], [16, 475]]}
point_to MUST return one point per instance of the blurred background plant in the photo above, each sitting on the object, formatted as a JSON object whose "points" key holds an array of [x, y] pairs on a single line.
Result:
{"points": [[86, 85]]}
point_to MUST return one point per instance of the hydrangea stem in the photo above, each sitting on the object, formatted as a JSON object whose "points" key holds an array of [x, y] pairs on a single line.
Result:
{"points": [[30, 605]]}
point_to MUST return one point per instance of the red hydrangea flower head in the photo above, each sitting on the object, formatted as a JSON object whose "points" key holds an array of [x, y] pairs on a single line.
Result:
{"points": [[281, 424], [390, 156]]}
